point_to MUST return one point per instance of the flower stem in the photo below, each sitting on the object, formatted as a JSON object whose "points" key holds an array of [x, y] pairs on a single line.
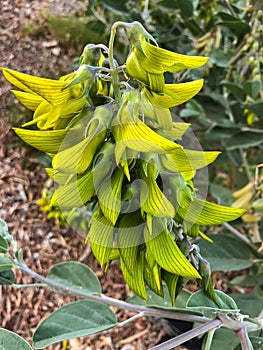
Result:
{"points": [[114, 70]]}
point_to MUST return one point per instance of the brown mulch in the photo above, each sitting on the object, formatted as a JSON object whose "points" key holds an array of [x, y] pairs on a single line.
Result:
{"points": [[21, 180]]}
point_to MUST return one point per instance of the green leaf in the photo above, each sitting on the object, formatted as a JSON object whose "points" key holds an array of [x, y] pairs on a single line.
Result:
{"points": [[236, 90], [10, 340], [226, 253], [223, 339], [7, 277], [252, 88], [221, 193], [245, 139], [186, 7], [5, 263], [3, 245], [249, 304], [77, 319], [203, 303], [219, 58], [116, 7], [247, 281], [4, 231], [75, 275], [236, 26]]}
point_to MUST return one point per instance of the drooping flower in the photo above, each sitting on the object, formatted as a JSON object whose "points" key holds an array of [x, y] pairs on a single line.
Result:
{"points": [[147, 62]]}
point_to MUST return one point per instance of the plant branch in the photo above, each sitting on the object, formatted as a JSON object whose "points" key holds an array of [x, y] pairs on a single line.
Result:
{"points": [[147, 311], [245, 164], [133, 318], [244, 339], [182, 338]]}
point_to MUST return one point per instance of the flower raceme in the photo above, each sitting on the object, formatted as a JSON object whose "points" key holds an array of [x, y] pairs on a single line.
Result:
{"points": [[122, 157]]}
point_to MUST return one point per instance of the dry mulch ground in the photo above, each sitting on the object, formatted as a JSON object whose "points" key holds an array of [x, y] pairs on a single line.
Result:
{"points": [[21, 180]]}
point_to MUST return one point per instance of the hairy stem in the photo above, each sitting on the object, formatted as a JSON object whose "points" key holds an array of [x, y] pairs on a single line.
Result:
{"points": [[182, 338]]}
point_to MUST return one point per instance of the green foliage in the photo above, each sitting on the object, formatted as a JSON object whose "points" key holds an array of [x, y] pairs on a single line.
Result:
{"points": [[226, 253], [10, 340], [84, 317]]}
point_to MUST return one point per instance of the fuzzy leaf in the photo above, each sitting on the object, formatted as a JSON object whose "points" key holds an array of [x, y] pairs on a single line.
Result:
{"points": [[76, 319], [73, 274]]}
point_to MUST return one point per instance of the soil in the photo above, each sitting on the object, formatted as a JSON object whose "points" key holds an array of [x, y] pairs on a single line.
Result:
{"points": [[27, 45]]}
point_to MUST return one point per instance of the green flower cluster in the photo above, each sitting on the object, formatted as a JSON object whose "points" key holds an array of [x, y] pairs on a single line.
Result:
{"points": [[112, 140]]}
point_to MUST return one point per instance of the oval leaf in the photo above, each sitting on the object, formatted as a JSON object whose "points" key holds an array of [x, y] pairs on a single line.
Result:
{"points": [[204, 304], [75, 275], [77, 319], [5, 263], [226, 253], [10, 340], [7, 277]]}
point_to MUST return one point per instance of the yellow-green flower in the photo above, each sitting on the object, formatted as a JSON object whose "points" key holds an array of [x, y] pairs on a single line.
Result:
{"points": [[147, 62]]}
